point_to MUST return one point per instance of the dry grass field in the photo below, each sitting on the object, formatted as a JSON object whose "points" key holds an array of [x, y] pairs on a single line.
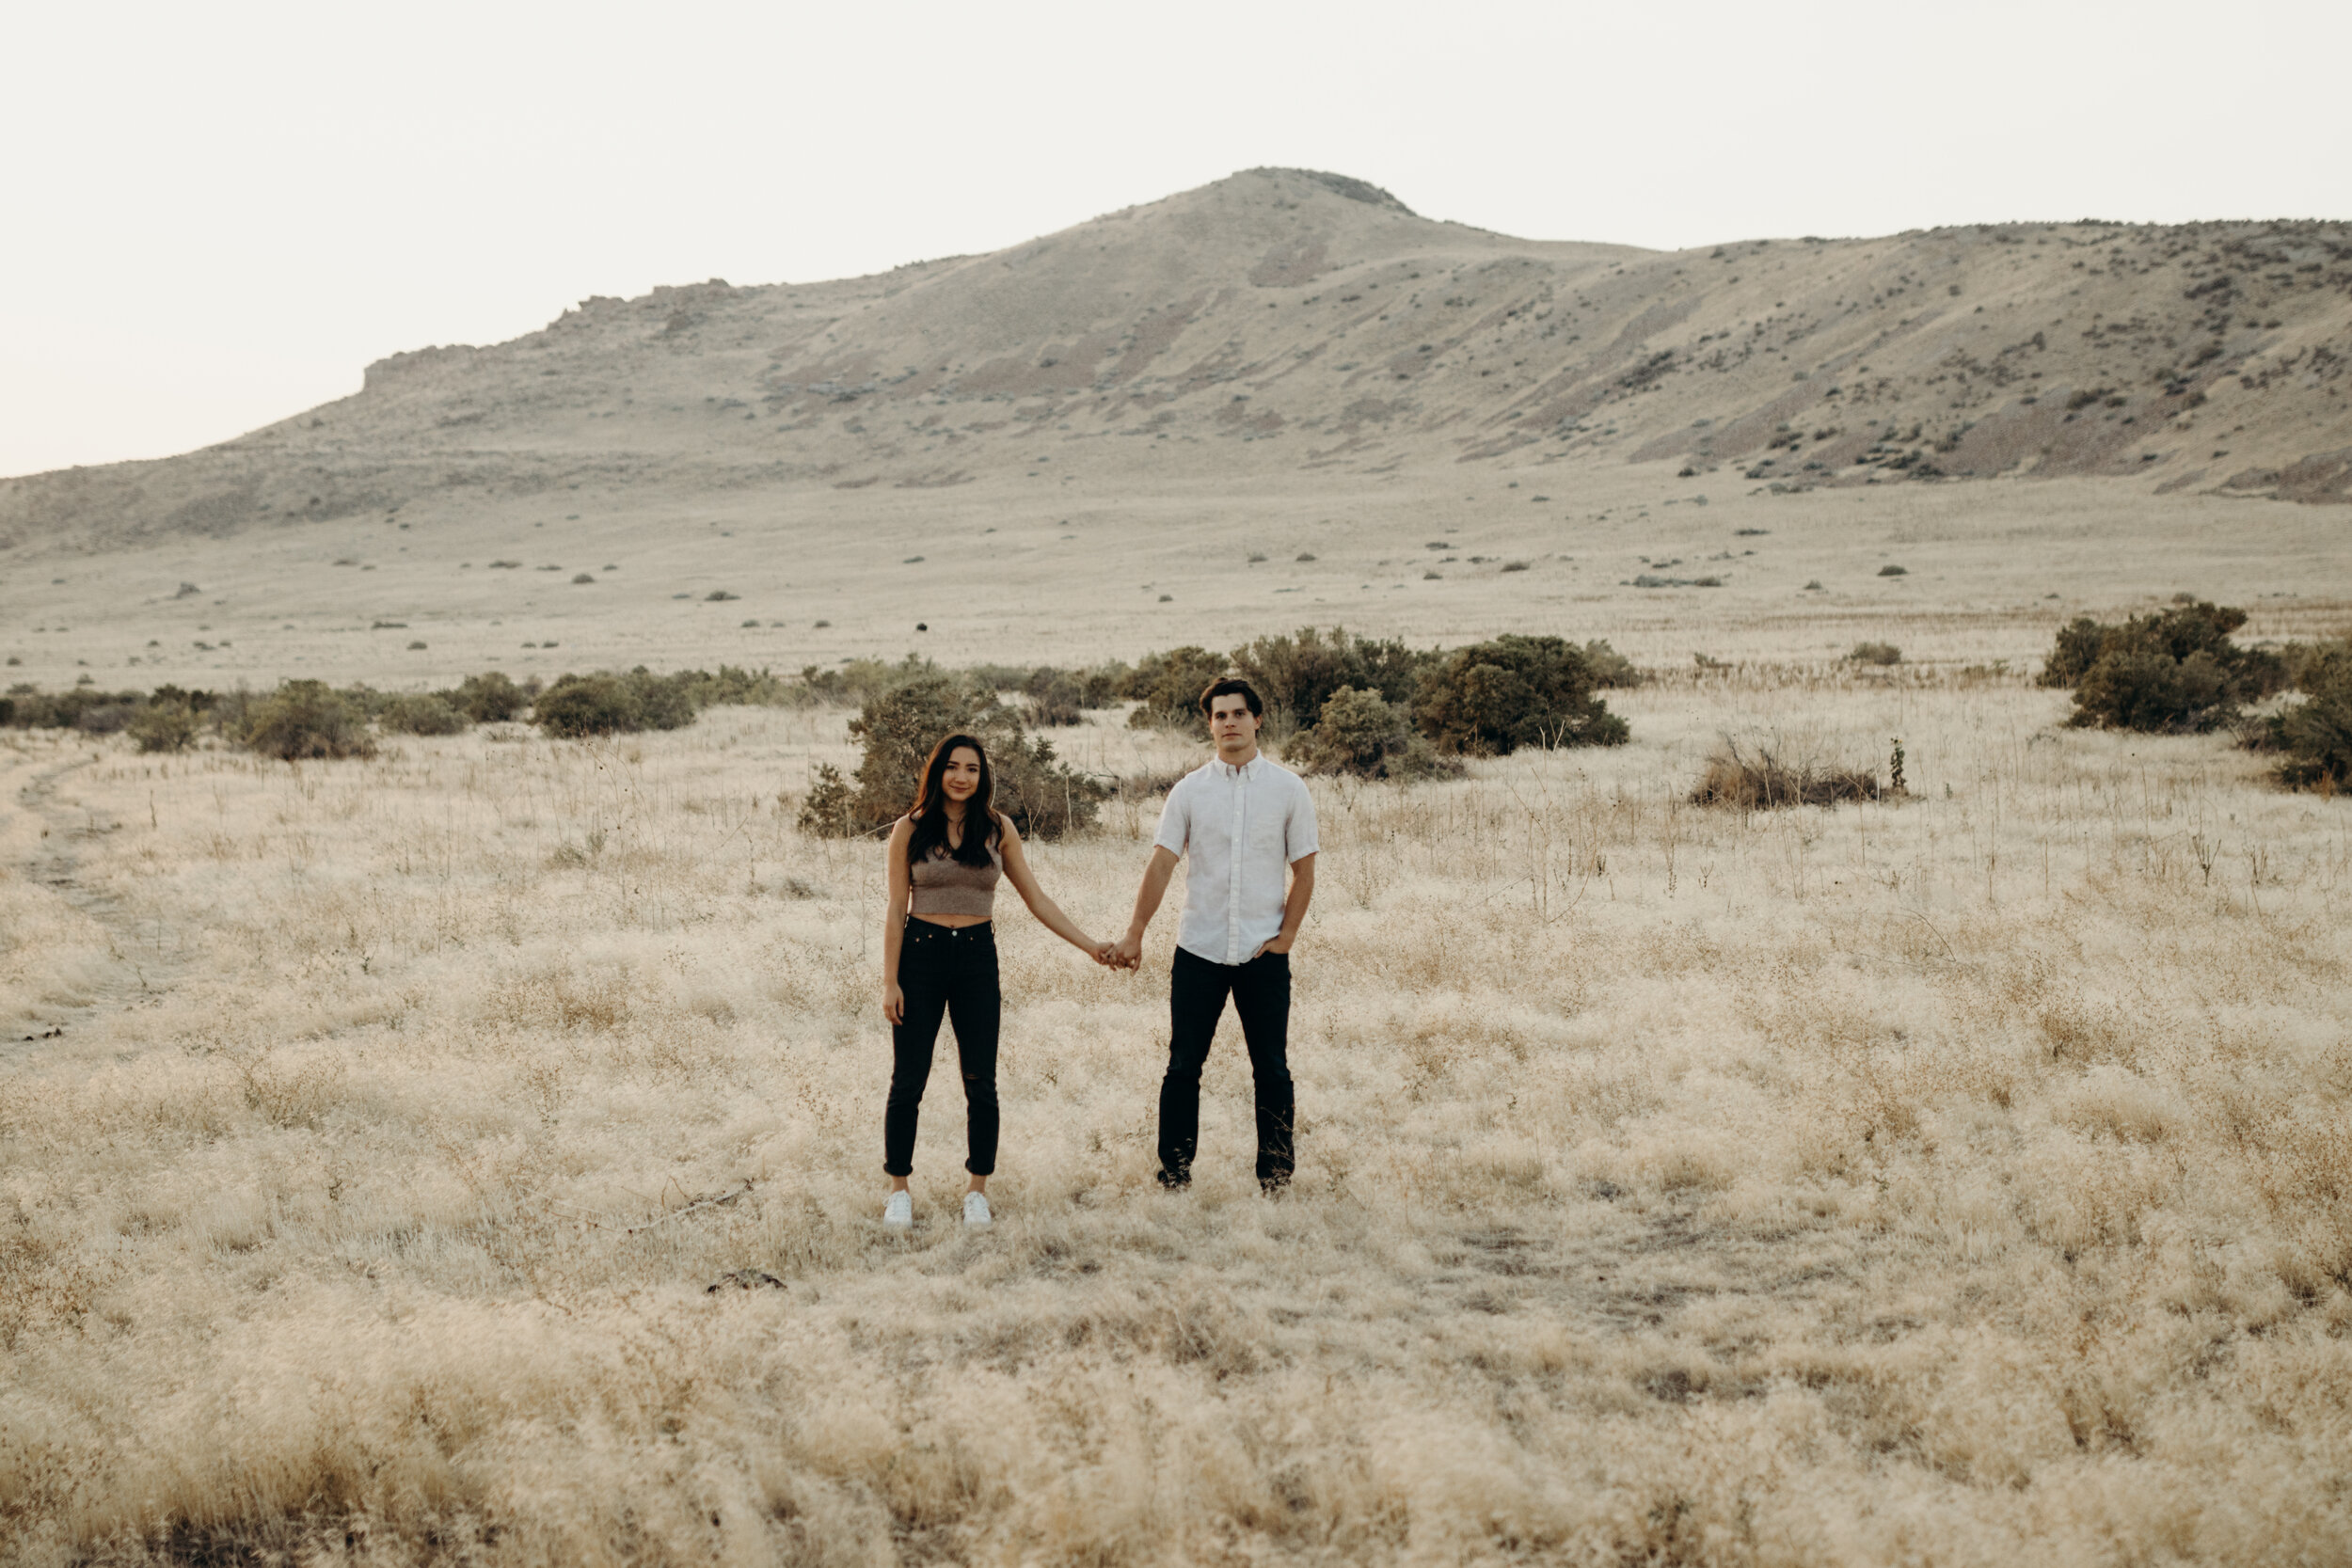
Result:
{"points": [[1958, 1178]]}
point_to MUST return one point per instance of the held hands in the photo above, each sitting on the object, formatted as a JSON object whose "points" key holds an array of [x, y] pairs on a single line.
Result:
{"points": [[1117, 954]]}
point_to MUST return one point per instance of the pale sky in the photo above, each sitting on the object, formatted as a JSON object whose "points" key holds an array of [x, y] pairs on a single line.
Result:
{"points": [[215, 215]]}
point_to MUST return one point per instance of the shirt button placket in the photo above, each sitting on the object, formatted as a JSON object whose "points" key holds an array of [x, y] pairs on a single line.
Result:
{"points": [[1233, 882]]}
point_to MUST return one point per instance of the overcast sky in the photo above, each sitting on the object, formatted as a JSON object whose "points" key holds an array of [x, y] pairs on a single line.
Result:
{"points": [[215, 215]]}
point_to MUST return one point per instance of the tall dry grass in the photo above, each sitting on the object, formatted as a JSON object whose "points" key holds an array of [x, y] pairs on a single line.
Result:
{"points": [[1954, 1180]]}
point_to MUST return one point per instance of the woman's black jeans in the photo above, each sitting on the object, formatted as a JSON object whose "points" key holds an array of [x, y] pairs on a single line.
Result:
{"points": [[951, 972]]}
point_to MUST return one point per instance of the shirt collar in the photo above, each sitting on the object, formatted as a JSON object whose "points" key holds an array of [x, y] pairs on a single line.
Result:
{"points": [[1246, 770]]}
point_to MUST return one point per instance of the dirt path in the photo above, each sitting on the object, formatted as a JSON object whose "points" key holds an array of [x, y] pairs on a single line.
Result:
{"points": [[50, 836]]}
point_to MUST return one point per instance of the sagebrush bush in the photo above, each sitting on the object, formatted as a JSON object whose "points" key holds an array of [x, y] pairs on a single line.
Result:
{"points": [[1298, 673], [488, 699], [421, 713], [861, 681], [1362, 733], [2316, 733], [1875, 653], [1168, 686], [163, 725], [2174, 671], [1761, 778], [574, 707], [33, 709], [898, 730], [1610, 668], [732, 688], [304, 719], [1492, 697], [1059, 697]]}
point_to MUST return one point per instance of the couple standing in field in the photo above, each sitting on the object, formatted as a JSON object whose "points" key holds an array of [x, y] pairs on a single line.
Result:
{"points": [[1244, 820]]}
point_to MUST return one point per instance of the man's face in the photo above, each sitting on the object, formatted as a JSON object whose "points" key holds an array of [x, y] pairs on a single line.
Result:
{"points": [[1232, 724]]}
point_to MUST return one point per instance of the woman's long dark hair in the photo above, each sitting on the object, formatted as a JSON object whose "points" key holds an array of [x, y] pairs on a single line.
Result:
{"points": [[931, 813]]}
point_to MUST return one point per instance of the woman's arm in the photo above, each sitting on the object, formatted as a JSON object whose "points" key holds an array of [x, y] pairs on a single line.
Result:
{"points": [[1156, 872], [894, 921], [1048, 913]]}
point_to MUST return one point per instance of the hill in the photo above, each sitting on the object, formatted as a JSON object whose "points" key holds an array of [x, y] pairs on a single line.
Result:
{"points": [[1293, 321]]}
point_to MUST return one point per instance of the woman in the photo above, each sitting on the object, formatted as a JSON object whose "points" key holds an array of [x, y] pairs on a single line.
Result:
{"points": [[939, 956]]}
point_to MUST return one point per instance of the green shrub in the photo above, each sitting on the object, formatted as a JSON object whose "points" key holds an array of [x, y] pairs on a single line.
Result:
{"points": [[898, 729], [488, 699], [163, 725], [2076, 651], [733, 688], [862, 680], [1296, 674], [1169, 686], [2316, 733], [421, 713], [106, 717], [1610, 668], [574, 707], [2173, 671], [1362, 733], [663, 702], [830, 808], [35, 709], [1492, 697], [306, 719]]}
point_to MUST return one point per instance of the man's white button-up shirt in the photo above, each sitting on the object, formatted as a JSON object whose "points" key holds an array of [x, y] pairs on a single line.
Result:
{"points": [[1242, 827]]}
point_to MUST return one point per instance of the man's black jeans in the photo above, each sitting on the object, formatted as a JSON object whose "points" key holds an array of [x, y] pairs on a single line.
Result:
{"points": [[949, 971], [1197, 990]]}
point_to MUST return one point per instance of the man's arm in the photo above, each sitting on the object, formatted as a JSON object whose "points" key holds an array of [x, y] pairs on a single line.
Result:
{"points": [[1295, 907], [1155, 875]]}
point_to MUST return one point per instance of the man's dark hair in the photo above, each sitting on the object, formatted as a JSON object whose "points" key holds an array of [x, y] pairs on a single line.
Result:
{"points": [[1229, 685]]}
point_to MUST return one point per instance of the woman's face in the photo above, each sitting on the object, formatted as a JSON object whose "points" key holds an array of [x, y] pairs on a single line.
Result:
{"points": [[963, 775]]}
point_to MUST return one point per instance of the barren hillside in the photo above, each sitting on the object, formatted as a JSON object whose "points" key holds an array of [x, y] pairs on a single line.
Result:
{"points": [[1293, 321]]}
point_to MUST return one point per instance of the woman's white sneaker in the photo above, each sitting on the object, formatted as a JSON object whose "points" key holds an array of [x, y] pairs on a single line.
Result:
{"points": [[898, 1213], [976, 1210]]}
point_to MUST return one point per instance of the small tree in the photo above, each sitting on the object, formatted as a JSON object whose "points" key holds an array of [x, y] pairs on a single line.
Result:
{"points": [[1492, 697]]}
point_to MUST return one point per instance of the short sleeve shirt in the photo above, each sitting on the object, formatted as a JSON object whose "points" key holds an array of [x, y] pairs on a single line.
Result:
{"points": [[1241, 828]]}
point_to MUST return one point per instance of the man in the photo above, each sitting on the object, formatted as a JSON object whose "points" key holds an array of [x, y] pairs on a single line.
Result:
{"points": [[1242, 819]]}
